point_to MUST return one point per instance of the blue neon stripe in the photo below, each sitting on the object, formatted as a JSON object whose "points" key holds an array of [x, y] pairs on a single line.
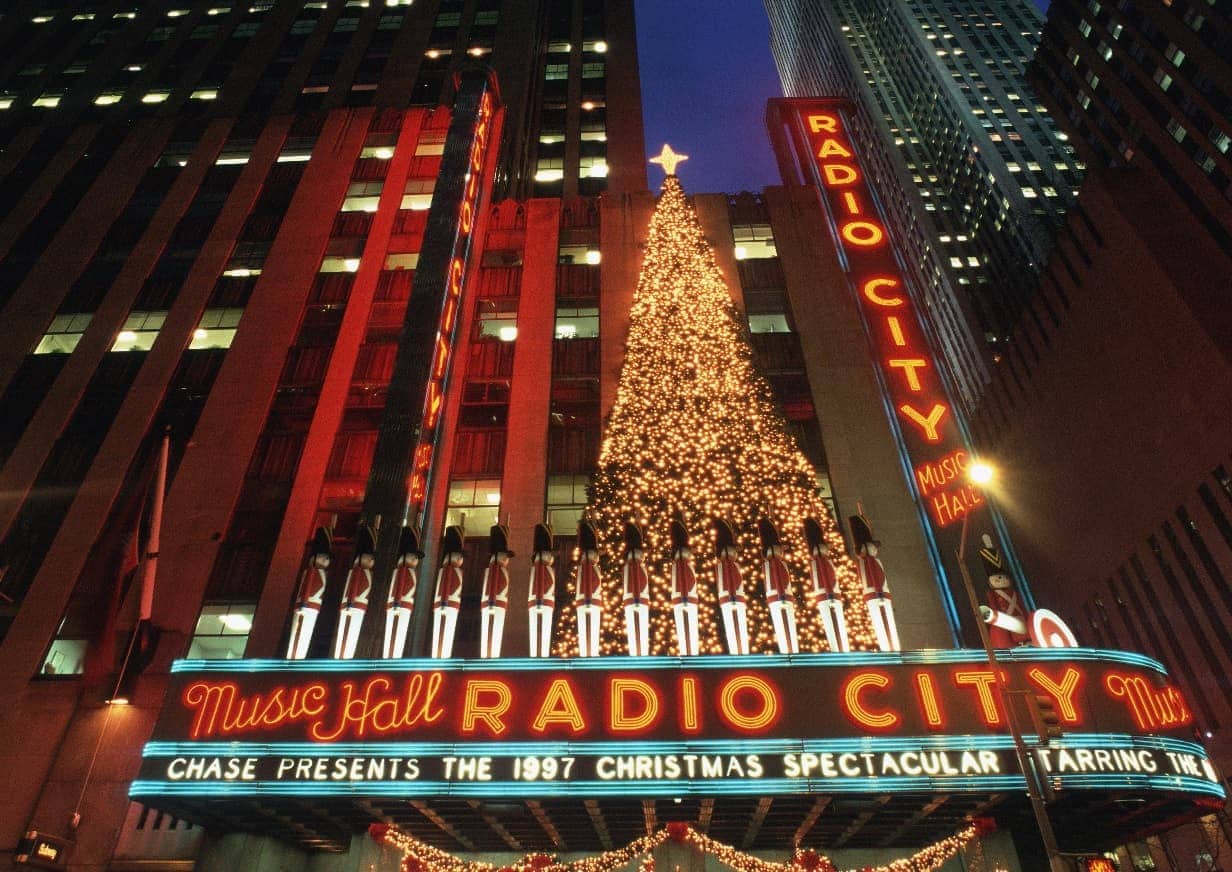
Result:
{"points": [[645, 664]]}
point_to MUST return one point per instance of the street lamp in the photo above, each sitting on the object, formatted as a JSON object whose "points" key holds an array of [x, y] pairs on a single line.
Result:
{"points": [[982, 474]]}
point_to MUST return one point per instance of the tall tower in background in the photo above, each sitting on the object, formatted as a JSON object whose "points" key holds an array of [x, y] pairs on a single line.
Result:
{"points": [[972, 169]]}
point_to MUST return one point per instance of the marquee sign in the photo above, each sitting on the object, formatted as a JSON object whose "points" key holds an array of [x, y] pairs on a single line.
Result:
{"points": [[663, 726]]}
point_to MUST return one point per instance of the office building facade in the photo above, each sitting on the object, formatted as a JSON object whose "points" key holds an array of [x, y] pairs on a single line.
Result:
{"points": [[969, 164]]}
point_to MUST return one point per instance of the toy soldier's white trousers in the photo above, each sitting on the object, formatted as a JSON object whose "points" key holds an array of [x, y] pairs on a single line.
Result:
{"points": [[736, 627], [637, 629], [834, 623], [301, 633], [783, 616], [541, 631], [1004, 621], [589, 626], [881, 613], [492, 629], [397, 624], [349, 623], [686, 628], [444, 622]]}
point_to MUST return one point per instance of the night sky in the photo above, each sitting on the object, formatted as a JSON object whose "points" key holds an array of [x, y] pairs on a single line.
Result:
{"points": [[706, 75], [707, 72]]}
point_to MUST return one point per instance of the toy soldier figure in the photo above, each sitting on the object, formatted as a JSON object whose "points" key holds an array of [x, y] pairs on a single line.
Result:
{"points": [[636, 592], [311, 592], [825, 595], [684, 590], [447, 598], [401, 599], [732, 601], [495, 600], [541, 598], [1005, 615], [873, 577], [588, 591], [355, 596], [779, 598]]}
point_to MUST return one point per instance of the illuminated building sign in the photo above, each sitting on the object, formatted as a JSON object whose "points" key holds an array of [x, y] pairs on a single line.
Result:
{"points": [[762, 725], [909, 372]]}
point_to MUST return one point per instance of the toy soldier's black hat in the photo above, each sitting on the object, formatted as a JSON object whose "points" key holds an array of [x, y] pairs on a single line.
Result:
{"points": [[769, 535], [544, 540], [587, 538], [635, 538], [679, 534], [323, 542], [453, 540], [813, 534], [408, 542], [723, 536], [365, 540], [862, 533], [990, 556], [498, 539]]}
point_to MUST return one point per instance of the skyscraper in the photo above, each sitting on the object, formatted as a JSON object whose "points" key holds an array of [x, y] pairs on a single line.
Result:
{"points": [[972, 170]]}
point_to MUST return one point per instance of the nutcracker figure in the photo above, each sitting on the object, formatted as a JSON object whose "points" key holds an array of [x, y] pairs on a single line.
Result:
{"points": [[355, 597], [873, 577], [311, 591], [447, 598], [400, 601], [635, 593], [541, 598], [779, 598], [684, 590], [732, 600], [495, 600], [1005, 613], [825, 595], [588, 591]]}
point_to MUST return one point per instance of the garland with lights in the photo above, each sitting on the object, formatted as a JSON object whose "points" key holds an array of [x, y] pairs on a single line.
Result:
{"points": [[695, 430], [418, 856]]}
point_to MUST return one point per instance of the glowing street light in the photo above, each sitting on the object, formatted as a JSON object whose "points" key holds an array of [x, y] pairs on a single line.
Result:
{"points": [[981, 473]]}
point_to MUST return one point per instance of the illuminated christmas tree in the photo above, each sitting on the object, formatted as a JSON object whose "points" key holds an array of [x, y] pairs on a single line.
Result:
{"points": [[695, 430]]}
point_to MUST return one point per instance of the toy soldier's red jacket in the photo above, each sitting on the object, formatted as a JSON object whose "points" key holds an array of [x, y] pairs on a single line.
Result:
{"points": [[311, 589], [778, 581], [495, 587], [1005, 600], [731, 583], [684, 582], [874, 577], [826, 575], [588, 593], [542, 585], [449, 587], [402, 591], [359, 583], [635, 583]]}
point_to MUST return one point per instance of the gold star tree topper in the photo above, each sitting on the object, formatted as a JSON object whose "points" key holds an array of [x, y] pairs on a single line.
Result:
{"points": [[668, 160]]}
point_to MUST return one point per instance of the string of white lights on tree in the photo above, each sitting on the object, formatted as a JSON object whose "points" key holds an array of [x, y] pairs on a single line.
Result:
{"points": [[695, 430], [421, 857]]}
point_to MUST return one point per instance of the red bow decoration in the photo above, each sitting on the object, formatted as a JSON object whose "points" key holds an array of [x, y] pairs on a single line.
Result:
{"points": [[378, 831], [812, 861], [984, 826], [539, 861], [677, 831], [411, 863]]}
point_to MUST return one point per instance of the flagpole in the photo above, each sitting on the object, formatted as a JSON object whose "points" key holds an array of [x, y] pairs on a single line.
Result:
{"points": [[148, 566]]}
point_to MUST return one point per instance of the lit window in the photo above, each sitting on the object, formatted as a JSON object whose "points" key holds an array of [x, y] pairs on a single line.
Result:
{"points": [[156, 97], [956, 262], [139, 331], [216, 329], [204, 94], [592, 168], [222, 631], [108, 99], [501, 324], [232, 158], [339, 264], [593, 132], [363, 196], [1176, 130], [1162, 79], [417, 196], [379, 152], [550, 169], [477, 501], [769, 323], [47, 101], [432, 143], [66, 656], [593, 71], [753, 241], [566, 500], [556, 72], [577, 255], [176, 13], [406, 260], [1029, 193], [295, 155], [554, 47], [63, 334], [574, 323], [1175, 55]]}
